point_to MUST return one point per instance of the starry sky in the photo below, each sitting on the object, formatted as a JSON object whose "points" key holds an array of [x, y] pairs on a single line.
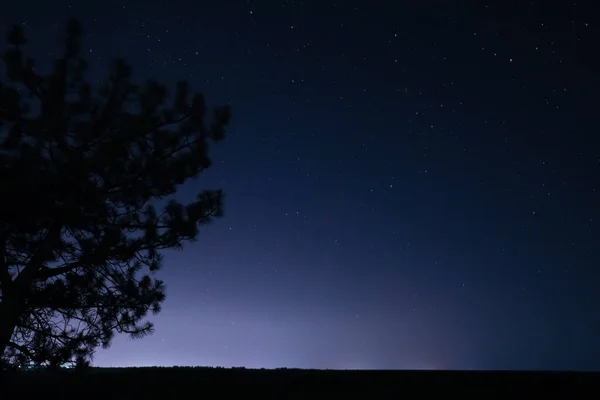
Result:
{"points": [[411, 184]]}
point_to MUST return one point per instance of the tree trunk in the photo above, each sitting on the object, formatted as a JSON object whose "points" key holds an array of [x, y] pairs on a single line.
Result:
{"points": [[6, 331], [9, 315], [14, 304], [15, 295]]}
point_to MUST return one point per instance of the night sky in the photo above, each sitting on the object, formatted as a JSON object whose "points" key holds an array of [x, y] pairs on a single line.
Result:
{"points": [[410, 184]]}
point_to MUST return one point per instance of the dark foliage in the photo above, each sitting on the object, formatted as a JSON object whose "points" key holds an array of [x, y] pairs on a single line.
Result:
{"points": [[83, 169]]}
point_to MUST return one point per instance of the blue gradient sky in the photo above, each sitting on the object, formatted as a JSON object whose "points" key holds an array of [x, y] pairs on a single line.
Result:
{"points": [[410, 184]]}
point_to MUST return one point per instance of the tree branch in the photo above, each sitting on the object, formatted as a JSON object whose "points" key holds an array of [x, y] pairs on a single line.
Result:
{"points": [[22, 349], [47, 273], [28, 274]]}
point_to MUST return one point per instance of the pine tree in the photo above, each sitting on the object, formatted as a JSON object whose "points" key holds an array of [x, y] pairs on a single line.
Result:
{"points": [[82, 169]]}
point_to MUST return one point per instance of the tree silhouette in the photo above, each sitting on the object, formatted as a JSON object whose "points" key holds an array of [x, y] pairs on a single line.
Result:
{"points": [[82, 171]]}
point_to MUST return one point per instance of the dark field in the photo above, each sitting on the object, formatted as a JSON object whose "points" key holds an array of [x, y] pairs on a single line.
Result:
{"points": [[132, 383]]}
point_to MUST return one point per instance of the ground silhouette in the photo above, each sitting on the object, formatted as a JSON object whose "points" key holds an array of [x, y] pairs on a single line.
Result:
{"points": [[83, 168], [117, 383]]}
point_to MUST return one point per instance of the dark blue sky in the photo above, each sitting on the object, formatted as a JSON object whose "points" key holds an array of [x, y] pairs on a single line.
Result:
{"points": [[410, 184]]}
